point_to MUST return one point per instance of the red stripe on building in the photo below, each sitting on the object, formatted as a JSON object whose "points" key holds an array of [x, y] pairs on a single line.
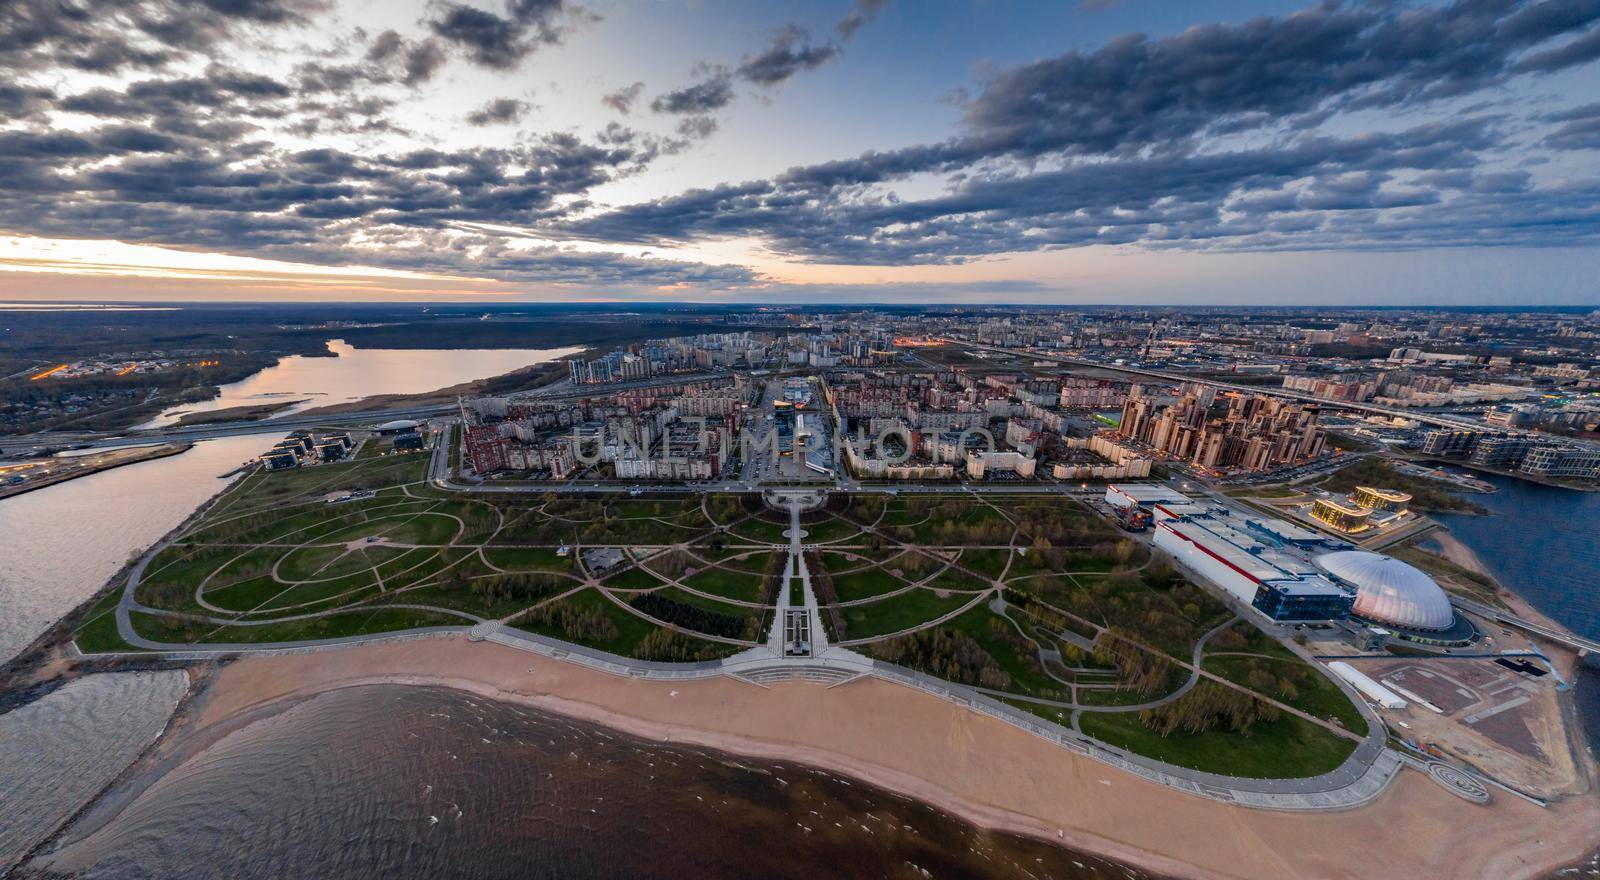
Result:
{"points": [[1203, 549]]}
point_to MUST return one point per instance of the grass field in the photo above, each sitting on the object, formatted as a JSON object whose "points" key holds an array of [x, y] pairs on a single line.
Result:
{"points": [[1284, 749], [273, 548]]}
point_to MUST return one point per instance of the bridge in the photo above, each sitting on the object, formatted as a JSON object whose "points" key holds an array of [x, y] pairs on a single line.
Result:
{"points": [[1583, 646]]}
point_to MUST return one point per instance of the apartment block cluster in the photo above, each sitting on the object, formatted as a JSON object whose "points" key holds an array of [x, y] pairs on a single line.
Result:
{"points": [[685, 431], [1405, 389], [307, 447], [1521, 453], [1254, 432], [713, 351], [938, 425]]}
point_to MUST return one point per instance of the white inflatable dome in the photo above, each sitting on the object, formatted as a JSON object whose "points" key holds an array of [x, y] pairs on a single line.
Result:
{"points": [[1390, 591]]}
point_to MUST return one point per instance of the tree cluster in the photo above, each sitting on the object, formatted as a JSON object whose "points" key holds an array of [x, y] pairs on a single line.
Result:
{"points": [[1207, 707], [670, 646], [1144, 672], [522, 586], [949, 654], [576, 624], [693, 616]]}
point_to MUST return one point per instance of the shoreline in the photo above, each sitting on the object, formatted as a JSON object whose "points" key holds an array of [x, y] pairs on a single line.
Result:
{"points": [[448, 395], [953, 759], [136, 455]]}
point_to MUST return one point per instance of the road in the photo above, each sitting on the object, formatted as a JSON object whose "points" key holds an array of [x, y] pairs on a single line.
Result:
{"points": [[1436, 419], [282, 425]]}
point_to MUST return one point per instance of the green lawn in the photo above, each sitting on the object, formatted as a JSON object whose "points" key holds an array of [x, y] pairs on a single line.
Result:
{"points": [[1018, 660], [357, 621], [729, 584], [865, 584], [761, 531], [1284, 749], [898, 613], [755, 563], [836, 529], [950, 579], [633, 579], [528, 558], [988, 562], [98, 631], [1315, 694]]}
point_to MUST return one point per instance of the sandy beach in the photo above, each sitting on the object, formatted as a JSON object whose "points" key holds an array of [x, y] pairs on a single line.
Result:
{"points": [[970, 765]]}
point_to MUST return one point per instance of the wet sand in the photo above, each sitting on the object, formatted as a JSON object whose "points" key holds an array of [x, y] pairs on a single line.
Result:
{"points": [[970, 765]]}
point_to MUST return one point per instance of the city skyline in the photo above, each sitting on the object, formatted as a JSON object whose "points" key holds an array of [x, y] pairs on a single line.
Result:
{"points": [[1095, 152]]}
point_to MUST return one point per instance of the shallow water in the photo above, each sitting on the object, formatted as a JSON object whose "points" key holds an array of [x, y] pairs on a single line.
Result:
{"points": [[398, 782], [363, 372], [57, 752]]}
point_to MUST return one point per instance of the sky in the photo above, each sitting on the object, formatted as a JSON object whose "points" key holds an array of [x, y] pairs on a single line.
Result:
{"points": [[999, 151]]}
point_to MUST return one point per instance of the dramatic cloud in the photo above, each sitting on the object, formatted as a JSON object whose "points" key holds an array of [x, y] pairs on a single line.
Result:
{"points": [[1579, 129], [1137, 127], [791, 52], [499, 112], [280, 129], [105, 36]]}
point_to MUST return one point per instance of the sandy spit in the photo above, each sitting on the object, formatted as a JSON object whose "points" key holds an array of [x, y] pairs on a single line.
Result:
{"points": [[967, 764]]}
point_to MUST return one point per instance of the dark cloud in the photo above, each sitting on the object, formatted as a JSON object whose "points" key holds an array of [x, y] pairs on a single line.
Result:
{"points": [[710, 94], [859, 17], [107, 36], [623, 99], [415, 61], [1579, 128], [501, 42], [1212, 139], [499, 112], [1136, 91], [19, 101], [697, 128], [1579, 51], [1321, 192], [1132, 129], [409, 210], [790, 53]]}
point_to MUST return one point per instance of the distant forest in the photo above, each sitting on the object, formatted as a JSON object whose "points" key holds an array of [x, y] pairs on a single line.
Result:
{"points": [[65, 335]]}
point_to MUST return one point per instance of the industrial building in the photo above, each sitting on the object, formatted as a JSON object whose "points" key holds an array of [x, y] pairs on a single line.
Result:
{"points": [[1259, 561]]}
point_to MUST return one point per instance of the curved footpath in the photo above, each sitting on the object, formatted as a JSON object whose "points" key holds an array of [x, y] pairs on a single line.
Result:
{"points": [[1362, 777]]}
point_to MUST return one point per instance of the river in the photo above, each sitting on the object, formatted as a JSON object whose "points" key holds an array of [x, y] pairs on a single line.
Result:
{"points": [[1543, 543], [363, 372], [64, 541]]}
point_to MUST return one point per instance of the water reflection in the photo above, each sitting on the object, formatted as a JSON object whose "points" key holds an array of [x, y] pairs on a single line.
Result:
{"points": [[363, 372]]}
